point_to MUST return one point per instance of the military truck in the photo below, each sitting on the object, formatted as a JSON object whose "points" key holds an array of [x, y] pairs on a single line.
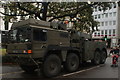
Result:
{"points": [[50, 46]]}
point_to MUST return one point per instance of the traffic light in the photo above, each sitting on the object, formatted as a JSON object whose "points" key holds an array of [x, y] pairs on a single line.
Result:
{"points": [[105, 38]]}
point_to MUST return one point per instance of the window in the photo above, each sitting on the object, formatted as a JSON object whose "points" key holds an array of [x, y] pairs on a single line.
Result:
{"points": [[13, 34], [110, 22], [64, 35], [102, 32], [106, 15], [102, 23], [75, 40], [105, 32], [39, 35], [114, 14], [109, 32], [98, 33], [95, 33], [102, 15], [113, 31], [106, 23], [110, 14], [98, 15], [114, 22], [21, 34]]}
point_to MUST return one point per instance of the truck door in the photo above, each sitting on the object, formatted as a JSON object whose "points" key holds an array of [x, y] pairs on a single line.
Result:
{"points": [[39, 41]]}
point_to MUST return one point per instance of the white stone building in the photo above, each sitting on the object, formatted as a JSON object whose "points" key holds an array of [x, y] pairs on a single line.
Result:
{"points": [[1, 18], [1, 21], [108, 24], [2, 26]]}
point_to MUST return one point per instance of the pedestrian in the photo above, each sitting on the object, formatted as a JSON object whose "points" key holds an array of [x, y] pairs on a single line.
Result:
{"points": [[115, 52], [114, 60]]}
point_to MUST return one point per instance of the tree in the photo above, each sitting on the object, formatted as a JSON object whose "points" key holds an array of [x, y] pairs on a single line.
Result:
{"points": [[49, 11]]}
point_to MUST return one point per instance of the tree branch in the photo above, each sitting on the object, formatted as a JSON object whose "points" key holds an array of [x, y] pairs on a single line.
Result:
{"points": [[73, 14], [22, 8], [54, 11], [29, 11]]}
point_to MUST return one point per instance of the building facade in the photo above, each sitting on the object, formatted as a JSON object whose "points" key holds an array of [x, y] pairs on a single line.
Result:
{"points": [[1, 18], [108, 24], [2, 26], [1, 23]]}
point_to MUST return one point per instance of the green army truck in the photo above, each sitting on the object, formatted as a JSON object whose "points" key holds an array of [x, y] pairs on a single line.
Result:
{"points": [[50, 46]]}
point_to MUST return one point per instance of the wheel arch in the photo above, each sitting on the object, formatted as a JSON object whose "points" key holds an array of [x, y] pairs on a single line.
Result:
{"points": [[96, 59], [97, 49], [105, 51], [76, 52], [62, 54], [56, 52]]}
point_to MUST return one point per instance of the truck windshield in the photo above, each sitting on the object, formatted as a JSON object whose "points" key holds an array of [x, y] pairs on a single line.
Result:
{"points": [[20, 35]]}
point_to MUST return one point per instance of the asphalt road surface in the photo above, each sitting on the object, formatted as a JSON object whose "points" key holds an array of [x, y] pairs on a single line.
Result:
{"points": [[86, 71]]}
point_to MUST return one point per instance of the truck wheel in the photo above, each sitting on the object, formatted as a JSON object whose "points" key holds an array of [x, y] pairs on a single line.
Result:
{"points": [[96, 59], [103, 57], [72, 62], [51, 66], [28, 69]]}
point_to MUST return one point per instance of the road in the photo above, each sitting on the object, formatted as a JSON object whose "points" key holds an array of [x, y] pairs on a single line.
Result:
{"points": [[86, 71], [100, 71]]}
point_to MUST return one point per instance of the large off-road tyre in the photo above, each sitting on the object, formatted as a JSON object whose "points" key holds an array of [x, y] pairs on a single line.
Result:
{"points": [[103, 57], [28, 69], [96, 59], [72, 62], [51, 66]]}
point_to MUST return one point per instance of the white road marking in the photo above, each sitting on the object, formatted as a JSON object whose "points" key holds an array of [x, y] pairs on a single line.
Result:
{"points": [[11, 73], [80, 71], [62, 75]]}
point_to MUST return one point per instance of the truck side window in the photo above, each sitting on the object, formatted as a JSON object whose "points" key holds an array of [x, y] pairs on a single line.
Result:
{"points": [[75, 40], [65, 35], [39, 35]]}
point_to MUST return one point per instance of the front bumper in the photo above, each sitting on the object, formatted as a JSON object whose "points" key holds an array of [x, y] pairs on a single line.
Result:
{"points": [[26, 60]]}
